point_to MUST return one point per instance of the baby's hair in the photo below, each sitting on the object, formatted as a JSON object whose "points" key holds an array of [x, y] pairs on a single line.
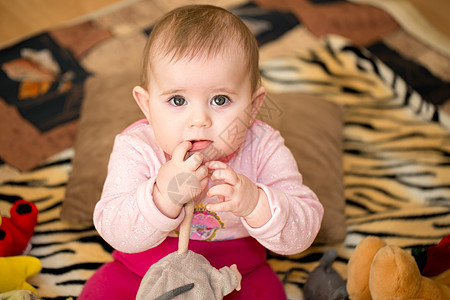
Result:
{"points": [[200, 30]]}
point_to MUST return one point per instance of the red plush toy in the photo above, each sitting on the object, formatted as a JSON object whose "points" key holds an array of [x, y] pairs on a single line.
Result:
{"points": [[16, 231]]}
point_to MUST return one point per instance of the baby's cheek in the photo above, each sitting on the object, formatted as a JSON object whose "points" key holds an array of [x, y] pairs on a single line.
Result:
{"points": [[234, 136]]}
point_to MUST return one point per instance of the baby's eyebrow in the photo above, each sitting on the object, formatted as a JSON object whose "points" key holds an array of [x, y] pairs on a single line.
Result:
{"points": [[213, 91], [171, 92], [224, 90]]}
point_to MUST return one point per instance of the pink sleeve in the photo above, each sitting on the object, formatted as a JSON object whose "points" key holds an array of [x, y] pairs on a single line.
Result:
{"points": [[296, 210], [126, 216]]}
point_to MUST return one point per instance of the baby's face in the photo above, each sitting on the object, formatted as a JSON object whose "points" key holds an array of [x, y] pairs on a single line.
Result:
{"points": [[208, 101]]}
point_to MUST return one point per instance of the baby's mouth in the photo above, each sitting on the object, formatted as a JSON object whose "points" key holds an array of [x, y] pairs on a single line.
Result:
{"points": [[200, 144]]}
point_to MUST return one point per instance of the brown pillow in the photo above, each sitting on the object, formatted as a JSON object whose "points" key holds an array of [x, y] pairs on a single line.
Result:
{"points": [[312, 128], [107, 110]]}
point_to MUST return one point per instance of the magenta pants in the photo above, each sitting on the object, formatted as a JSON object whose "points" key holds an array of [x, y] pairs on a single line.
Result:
{"points": [[120, 279]]}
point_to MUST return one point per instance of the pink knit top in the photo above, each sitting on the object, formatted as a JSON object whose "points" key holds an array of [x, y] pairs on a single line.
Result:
{"points": [[127, 218]]}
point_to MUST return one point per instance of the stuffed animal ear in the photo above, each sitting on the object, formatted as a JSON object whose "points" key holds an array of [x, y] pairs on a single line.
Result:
{"points": [[358, 268]]}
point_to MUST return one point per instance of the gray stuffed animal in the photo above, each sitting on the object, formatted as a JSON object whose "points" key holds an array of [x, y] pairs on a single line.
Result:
{"points": [[186, 274], [324, 283]]}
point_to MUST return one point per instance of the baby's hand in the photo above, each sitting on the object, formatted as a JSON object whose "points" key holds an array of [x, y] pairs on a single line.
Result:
{"points": [[180, 180], [239, 194]]}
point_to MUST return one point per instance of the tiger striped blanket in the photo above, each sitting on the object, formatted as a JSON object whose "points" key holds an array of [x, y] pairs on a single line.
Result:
{"points": [[396, 152], [396, 163]]}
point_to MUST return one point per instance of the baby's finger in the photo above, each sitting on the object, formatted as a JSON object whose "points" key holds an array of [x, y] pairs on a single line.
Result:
{"points": [[220, 207], [181, 150], [204, 183], [201, 172], [217, 165], [228, 176], [221, 190], [223, 172], [195, 161]]}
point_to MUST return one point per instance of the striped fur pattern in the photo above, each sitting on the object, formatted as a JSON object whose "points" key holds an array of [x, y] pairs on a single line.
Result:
{"points": [[396, 152], [396, 163], [69, 253], [348, 75]]}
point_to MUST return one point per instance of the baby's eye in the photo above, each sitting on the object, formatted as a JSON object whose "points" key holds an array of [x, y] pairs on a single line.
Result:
{"points": [[177, 101], [220, 100]]}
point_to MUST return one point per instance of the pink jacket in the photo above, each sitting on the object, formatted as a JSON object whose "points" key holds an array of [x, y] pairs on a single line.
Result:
{"points": [[127, 218]]}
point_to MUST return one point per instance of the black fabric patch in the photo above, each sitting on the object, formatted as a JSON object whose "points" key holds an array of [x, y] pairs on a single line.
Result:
{"points": [[44, 102]]}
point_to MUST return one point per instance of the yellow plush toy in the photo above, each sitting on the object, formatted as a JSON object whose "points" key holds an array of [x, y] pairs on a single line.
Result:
{"points": [[15, 270], [380, 271]]}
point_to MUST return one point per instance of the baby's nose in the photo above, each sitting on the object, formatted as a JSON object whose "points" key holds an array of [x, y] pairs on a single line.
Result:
{"points": [[199, 118]]}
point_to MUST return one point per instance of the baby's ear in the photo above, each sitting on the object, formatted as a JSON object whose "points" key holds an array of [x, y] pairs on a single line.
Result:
{"points": [[257, 100], [142, 99]]}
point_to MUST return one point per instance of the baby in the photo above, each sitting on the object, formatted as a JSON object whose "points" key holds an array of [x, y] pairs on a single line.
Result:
{"points": [[201, 142]]}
